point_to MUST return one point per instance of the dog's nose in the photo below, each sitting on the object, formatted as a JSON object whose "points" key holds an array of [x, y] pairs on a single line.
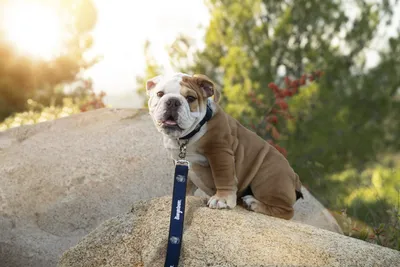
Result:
{"points": [[173, 103]]}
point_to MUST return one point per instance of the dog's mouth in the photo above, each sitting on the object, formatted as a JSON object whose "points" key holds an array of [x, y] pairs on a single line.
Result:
{"points": [[170, 123]]}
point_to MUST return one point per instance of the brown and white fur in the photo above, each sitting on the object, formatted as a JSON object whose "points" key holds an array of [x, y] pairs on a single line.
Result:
{"points": [[227, 160]]}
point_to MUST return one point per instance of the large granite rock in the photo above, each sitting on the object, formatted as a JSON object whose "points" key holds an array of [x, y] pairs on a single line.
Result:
{"points": [[59, 180], [219, 238]]}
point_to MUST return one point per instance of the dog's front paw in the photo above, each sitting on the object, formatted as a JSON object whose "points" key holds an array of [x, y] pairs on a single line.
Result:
{"points": [[223, 199]]}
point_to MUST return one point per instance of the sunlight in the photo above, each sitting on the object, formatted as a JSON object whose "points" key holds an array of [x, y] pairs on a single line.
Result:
{"points": [[129, 24], [33, 28]]}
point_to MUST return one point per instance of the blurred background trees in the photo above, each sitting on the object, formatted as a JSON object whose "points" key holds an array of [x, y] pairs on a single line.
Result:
{"points": [[343, 133], [344, 138], [45, 81]]}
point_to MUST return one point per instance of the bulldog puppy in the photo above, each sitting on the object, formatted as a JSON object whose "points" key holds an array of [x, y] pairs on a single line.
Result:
{"points": [[227, 161]]}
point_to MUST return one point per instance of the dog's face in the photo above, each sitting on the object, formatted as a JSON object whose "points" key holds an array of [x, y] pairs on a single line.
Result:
{"points": [[177, 103]]}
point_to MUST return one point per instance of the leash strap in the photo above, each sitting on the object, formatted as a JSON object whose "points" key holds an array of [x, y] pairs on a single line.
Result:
{"points": [[177, 214]]}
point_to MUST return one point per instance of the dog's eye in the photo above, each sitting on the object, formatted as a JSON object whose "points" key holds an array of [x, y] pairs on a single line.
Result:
{"points": [[160, 94], [190, 99]]}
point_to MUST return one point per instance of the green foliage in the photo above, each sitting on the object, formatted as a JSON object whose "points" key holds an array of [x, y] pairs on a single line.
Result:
{"points": [[276, 115], [385, 234], [36, 113], [369, 193], [23, 77], [82, 99]]}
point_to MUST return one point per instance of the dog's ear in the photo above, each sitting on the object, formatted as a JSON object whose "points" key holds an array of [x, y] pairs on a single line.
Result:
{"points": [[208, 86], [150, 84]]}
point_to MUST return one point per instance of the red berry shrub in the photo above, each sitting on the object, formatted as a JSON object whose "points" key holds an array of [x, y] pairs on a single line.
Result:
{"points": [[92, 100], [269, 124]]}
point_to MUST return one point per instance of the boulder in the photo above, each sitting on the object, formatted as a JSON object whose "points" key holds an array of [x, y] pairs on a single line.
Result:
{"points": [[212, 237], [60, 179]]}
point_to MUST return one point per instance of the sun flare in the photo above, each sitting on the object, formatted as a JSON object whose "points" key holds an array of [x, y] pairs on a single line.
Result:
{"points": [[34, 29]]}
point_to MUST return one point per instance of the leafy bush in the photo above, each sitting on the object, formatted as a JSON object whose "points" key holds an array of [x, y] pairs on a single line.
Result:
{"points": [[384, 234], [273, 122], [81, 100], [33, 115]]}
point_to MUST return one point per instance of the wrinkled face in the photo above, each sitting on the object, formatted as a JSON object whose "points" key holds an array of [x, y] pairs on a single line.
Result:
{"points": [[177, 103]]}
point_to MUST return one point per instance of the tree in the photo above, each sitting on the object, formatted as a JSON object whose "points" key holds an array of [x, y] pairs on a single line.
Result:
{"points": [[23, 77], [152, 70]]}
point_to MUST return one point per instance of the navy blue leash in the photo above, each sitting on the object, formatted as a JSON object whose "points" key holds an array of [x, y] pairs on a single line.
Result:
{"points": [[177, 210]]}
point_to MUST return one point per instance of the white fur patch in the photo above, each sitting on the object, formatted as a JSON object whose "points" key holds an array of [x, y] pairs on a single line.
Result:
{"points": [[217, 203], [227, 202]]}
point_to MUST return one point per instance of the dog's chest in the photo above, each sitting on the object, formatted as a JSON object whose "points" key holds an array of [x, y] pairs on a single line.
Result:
{"points": [[192, 154], [195, 157]]}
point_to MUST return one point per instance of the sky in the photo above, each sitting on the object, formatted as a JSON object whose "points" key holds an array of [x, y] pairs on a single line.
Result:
{"points": [[121, 31]]}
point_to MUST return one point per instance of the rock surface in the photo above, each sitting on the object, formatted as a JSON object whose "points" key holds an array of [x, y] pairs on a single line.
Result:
{"points": [[59, 180], [219, 238]]}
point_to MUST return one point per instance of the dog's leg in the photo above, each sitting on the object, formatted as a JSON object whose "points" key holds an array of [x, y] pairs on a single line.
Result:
{"points": [[222, 164], [251, 203], [273, 188]]}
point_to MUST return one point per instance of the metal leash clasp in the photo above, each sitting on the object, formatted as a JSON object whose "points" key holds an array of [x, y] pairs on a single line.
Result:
{"points": [[182, 152]]}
